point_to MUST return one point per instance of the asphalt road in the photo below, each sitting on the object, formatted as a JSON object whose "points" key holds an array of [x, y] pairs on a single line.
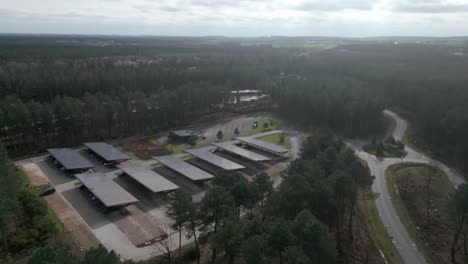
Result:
{"points": [[400, 237]]}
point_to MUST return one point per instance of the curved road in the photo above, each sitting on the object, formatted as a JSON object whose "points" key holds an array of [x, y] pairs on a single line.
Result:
{"points": [[400, 237]]}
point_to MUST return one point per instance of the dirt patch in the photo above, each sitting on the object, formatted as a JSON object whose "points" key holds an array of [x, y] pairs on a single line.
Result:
{"points": [[137, 227], [144, 149], [77, 235], [35, 175]]}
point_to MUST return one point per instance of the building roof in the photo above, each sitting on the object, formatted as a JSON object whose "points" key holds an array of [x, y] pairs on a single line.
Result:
{"points": [[206, 155], [230, 147], [184, 133], [184, 168], [105, 189], [263, 145], [147, 177], [70, 159], [106, 151]]}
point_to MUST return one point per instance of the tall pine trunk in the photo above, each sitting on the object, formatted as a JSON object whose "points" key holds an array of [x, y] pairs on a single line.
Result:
{"points": [[351, 213], [180, 244], [455, 238], [196, 240], [213, 255]]}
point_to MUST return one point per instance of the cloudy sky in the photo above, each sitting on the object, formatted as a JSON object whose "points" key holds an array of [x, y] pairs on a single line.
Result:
{"points": [[355, 18]]}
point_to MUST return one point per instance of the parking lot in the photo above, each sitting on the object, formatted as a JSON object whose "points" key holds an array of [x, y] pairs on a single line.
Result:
{"points": [[127, 234]]}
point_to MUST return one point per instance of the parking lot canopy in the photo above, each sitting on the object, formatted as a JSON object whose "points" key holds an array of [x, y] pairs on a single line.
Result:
{"points": [[106, 190], [250, 155], [206, 155], [263, 145], [184, 168], [148, 178], [70, 159], [106, 151]]}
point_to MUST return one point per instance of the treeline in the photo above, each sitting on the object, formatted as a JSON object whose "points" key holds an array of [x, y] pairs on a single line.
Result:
{"points": [[308, 219], [344, 88], [28, 126], [25, 221], [346, 105]]}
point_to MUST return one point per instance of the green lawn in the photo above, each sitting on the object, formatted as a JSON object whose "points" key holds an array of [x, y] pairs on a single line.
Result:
{"points": [[276, 139], [261, 129], [410, 207]]}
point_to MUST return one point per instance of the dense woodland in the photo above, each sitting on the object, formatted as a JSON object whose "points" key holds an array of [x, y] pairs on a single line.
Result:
{"points": [[57, 92], [61, 93]]}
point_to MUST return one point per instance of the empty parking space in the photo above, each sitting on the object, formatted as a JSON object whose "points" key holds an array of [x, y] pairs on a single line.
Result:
{"points": [[181, 181], [148, 199], [251, 168], [55, 175], [205, 166], [90, 211]]}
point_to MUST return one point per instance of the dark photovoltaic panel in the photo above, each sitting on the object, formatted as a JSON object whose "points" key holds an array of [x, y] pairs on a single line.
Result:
{"points": [[70, 159], [263, 145], [106, 151], [230, 147], [184, 168], [147, 177], [105, 189], [206, 155]]}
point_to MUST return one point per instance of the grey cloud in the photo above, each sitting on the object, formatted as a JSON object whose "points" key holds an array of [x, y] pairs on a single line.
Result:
{"points": [[430, 6], [335, 5], [170, 9]]}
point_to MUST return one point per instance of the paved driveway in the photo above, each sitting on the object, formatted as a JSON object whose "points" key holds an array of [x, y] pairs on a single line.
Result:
{"points": [[402, 240]]}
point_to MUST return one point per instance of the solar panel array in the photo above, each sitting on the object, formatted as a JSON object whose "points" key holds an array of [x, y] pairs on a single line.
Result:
{"points": [[105, 189], [263, 145], [184, 168], [70, 159], [147, 177], [230, 147], [106, 151], [206, 155]]}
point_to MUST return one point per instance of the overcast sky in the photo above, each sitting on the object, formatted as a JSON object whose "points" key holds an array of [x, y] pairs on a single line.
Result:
{"points": [[351, 18]]}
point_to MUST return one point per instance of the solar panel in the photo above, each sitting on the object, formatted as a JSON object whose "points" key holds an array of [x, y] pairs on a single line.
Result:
{"points": [[184, 168], [70, 159], [105, 189], [206, 155], [230, 147], [147, 177], [106, 151], [263, 145]]}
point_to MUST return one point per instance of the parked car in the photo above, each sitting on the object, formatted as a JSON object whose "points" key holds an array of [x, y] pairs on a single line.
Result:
{"points": [[47, 191]]}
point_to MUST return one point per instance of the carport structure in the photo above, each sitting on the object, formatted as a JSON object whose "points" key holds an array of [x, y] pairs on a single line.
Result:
{"points": [[106, 152], [184, 168], [70, 160], [265, 146], [238, 151], [148, 178], [205, 154], [106, 190]]}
